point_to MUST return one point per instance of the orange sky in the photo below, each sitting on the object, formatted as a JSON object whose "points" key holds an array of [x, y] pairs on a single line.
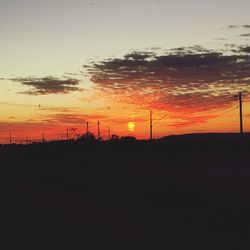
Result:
{"points": [[54, 123]]}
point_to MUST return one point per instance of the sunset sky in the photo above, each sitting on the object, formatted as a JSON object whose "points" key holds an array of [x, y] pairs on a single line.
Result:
{"points": [[65, 62]]}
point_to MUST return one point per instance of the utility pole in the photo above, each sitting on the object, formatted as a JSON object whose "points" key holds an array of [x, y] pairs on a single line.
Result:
{"points": [[87, 127], [151, 125], [67, 134], [241, 119], [27, 142], [99, 134], [109, 133], [10, 138], [43, 138]]}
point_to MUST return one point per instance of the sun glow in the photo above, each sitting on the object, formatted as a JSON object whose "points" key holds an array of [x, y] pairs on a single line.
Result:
{"points": [[131, 126]]}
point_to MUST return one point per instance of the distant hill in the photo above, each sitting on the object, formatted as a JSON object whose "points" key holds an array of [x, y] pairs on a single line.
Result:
{"points": [[205, 137]]}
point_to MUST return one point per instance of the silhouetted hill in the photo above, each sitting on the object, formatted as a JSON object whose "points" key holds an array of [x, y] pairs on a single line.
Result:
{"points": [[206, 136]]}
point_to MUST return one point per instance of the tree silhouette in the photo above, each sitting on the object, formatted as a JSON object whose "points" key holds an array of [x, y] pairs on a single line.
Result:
{"points": [[88, 136]]}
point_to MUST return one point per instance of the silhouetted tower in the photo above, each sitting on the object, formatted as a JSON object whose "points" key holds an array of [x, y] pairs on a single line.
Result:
{"points": [[151, 125], [99, 133], [109, 132], [10, 138], [241, 119], [67, 134], [43, 138], [87, 127]]}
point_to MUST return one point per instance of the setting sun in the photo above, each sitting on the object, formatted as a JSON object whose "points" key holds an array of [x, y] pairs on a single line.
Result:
{"points": [[131, 126]]}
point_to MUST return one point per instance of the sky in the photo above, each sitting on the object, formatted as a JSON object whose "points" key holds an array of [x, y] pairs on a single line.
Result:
{"points": [[64, 63]]}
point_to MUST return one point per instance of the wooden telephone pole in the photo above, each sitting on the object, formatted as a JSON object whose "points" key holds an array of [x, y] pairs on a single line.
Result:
{"points": [[241, 118], [67, 134], [151, 125], [87, 127], [99, 133], [109, 132], [10, 138]]}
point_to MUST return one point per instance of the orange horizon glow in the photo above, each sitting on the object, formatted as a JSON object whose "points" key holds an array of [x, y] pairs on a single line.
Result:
{"points": [[122, 123]]}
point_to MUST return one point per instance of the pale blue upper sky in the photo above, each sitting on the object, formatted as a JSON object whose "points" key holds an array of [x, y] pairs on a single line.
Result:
{"points": [[50, 37]]}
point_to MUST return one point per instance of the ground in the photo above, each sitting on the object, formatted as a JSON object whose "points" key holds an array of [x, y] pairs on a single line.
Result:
{"points": [[169, 194]]}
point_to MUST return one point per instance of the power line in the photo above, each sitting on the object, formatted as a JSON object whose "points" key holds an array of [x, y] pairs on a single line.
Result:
{"points": [[34, 105], [228, 111], [18, 104], [160, 119]]}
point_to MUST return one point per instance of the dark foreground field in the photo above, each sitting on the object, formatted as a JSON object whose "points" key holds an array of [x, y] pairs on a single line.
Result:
{"points": [[180, 193]]}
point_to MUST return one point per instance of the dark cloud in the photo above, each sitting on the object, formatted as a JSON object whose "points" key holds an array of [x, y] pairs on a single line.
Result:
{"points": [[139, 56], [245, 35], [48, 85], [233, 26], [189, 50], [187, 80], [245, 49], [221, 39]]}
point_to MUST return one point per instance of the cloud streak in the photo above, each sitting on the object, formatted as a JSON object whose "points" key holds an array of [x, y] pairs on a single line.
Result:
{"points": [[235, 26], [48, 85], [245, 35], [72, 119]]}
